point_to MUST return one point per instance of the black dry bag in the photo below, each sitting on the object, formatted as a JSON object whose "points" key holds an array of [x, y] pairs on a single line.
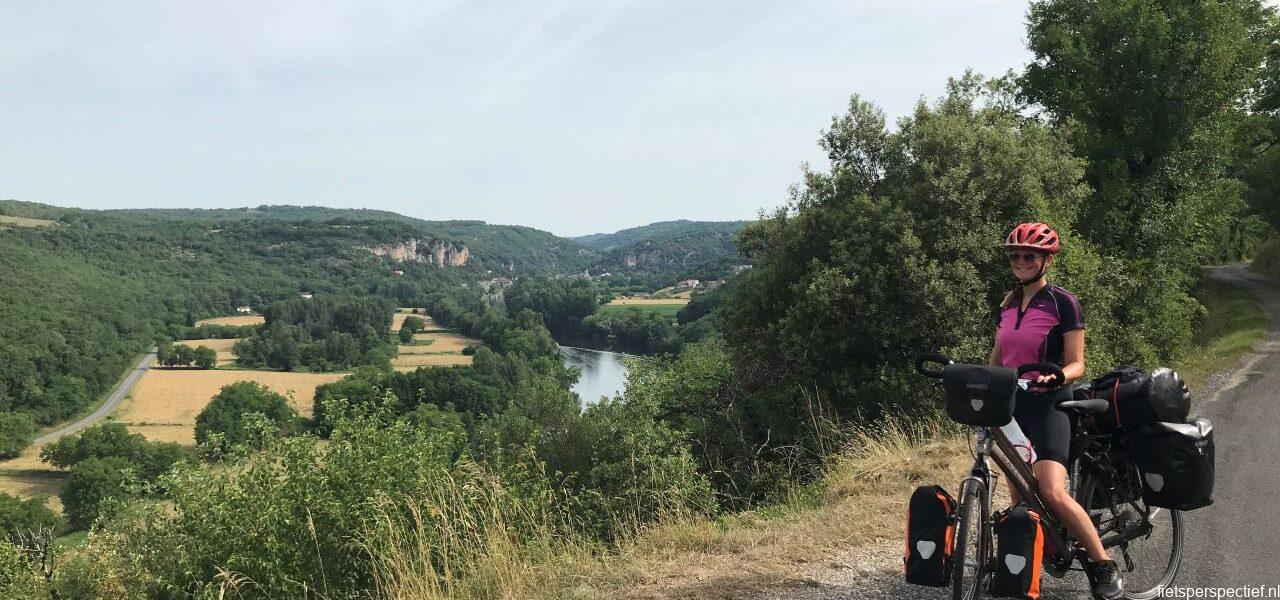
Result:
{"points": [[1019, 554], [930, 536], [979, 395], [1176, 461], [1139, 399]]}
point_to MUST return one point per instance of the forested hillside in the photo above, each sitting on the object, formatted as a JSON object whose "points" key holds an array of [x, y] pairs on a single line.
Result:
{"points": [[659, 254]]}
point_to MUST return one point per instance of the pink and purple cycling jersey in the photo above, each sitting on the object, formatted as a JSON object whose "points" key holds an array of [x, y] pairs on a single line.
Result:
{"points": [[1035, 335]]}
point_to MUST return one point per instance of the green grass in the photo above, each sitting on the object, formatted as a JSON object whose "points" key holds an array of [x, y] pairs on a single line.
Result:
{"points": [[666, 310], [1233, 325]]}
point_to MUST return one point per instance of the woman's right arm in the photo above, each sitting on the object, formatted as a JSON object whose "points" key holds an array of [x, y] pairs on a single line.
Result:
{"points": [[995, 348]]}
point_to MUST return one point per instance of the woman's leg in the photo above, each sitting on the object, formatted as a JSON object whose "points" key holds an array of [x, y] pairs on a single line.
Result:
{"points": [[1053, 491]]}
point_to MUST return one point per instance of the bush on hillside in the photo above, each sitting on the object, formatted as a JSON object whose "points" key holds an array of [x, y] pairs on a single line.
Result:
{"points": [[16, 432], [93, 482], [226, 413], [20, 577], [19, 516]]}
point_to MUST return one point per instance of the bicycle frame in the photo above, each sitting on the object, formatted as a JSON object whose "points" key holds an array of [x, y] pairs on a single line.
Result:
{"points": [[993, 443]]}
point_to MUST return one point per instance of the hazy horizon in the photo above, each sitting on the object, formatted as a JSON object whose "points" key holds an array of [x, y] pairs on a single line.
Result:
{"points": [[571, 117]]}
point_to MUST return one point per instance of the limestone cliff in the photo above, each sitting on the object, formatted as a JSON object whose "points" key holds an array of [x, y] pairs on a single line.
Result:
{"points": [[437, 252]]}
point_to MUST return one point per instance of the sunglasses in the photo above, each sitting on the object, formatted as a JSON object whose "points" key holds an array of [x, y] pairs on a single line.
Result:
{"points": [[1022, 256]]}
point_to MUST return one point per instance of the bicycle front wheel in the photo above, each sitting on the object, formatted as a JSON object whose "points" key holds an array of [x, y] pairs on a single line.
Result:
{"points": [[969, 561]]}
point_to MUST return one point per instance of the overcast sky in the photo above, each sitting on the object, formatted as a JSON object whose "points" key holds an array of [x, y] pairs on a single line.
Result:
{"points": [[574, 117]]}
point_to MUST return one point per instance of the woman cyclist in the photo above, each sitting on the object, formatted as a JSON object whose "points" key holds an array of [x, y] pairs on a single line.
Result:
{"points": [[1040, 322]]}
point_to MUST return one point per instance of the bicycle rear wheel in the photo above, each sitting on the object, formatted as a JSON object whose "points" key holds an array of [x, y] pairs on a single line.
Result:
{"points": [[1149, 562], [969, 561]]}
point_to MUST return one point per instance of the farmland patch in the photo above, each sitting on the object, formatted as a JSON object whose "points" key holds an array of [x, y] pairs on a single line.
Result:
{"points": [[237, 320]]}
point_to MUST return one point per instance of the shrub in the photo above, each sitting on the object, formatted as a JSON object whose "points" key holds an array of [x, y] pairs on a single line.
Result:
{"points": [[18, 516], [225, 414], [94, 481], [16, 432], [20, 579], [99, 441]]}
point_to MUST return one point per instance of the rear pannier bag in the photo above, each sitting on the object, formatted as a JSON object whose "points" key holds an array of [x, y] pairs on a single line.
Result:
{"points": [[1138, 399], [1176, 461], [979, 395], [930, 536], [1019, 554]]}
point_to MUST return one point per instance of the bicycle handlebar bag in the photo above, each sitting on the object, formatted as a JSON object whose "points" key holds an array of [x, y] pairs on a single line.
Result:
{"points": [[979, 395], [930, 536], [1177, 464], [1019, 554]]}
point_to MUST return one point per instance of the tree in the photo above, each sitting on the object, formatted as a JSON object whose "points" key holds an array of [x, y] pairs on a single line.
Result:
{"points": [[19, 516], [16, 432], [405, 335], [98, 441], [225, 414], [205, 357], [93, 481]]}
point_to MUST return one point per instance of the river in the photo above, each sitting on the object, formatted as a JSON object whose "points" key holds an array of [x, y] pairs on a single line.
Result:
{"points": [[603, 372]]}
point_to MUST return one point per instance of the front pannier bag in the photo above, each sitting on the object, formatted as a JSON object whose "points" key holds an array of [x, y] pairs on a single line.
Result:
{"points": [[979, 395], [930, 536], [1176, 461], [1019, 554]]}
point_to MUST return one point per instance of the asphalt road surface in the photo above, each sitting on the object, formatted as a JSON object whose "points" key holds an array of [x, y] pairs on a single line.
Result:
{"points": [[113, 401], [1236, 541]]}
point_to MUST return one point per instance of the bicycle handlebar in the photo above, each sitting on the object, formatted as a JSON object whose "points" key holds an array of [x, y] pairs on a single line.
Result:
{"points": [[922, 360]]}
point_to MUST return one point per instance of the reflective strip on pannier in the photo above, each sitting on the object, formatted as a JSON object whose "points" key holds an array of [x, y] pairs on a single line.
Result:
{"points": [[930, 536], [1019, 554]]}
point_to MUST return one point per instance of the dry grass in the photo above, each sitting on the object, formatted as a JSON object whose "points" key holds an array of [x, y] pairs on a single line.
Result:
{"points": [[631, 301], [233, 320], [730, 557], [867, 485], [444, 342], [164, 404], [397, 320], [6, 220], [222, 347], [33, 483]]}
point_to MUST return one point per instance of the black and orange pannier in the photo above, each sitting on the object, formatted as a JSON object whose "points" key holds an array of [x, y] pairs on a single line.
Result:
{"points": [[931, 529], [1020, 541]]}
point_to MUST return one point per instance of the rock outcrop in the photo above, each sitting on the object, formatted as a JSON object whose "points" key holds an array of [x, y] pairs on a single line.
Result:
{"points": [[437, 252]]}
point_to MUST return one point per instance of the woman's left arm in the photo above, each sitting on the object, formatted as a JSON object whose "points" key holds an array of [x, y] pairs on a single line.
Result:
{"points": [[1073, 354]]}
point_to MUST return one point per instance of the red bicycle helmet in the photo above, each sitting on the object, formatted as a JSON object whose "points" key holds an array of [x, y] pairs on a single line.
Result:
{"points": [[1033, 236]]}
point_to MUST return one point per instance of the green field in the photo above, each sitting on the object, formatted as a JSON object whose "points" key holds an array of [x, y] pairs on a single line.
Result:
{"points": [[668, 310]]}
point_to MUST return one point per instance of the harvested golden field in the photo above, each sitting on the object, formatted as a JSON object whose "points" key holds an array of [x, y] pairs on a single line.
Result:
{"points": [[234, 320], [397, 320], [633, 301], [33, 483], [444, 342], [164, 404], [6, 220], [222, 347]]}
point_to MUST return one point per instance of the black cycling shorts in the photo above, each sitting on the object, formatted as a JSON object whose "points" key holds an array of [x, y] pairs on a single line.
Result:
{"points": [[1048, 428]]}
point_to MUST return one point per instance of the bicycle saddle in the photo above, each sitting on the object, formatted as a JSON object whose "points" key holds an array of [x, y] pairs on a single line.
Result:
{"points": [[1086, 405]]}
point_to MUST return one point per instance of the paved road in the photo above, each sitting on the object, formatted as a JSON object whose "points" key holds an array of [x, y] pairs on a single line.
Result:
{"points": [[113, 401], [1234, 542]]}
